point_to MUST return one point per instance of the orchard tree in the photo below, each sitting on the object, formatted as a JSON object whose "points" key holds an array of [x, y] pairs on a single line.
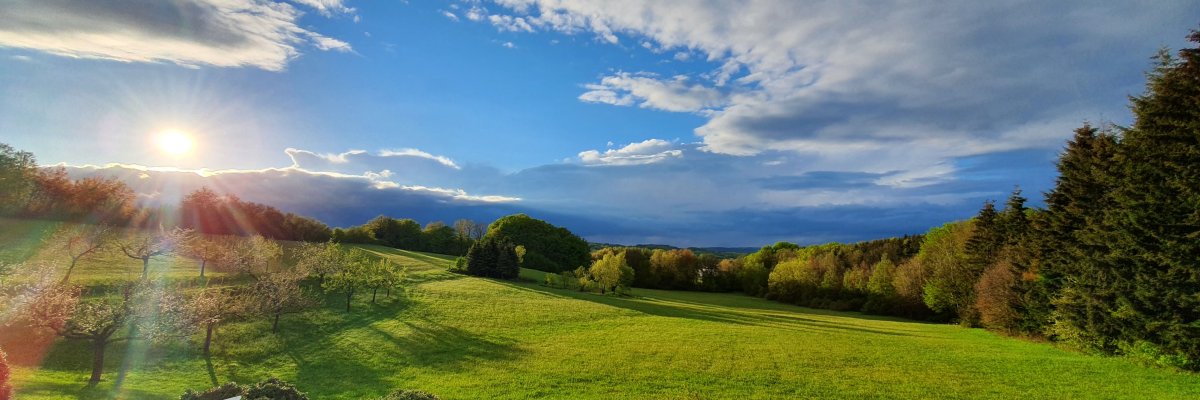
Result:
{"points": [[80, 243], [145, 247], [211, 307], [354, 275], [149, 312], [322, 259], [276, 293], [253, 256], [384, 274], [205, 249]]}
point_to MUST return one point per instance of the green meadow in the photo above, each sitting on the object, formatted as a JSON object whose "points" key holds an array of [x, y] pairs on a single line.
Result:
{"points": [[462, 337]]}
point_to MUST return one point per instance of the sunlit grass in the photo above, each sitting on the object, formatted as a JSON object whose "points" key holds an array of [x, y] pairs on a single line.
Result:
{"points": [[462, 337]]}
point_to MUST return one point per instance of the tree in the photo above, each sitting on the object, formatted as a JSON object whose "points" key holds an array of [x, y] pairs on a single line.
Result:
{"points": [[205, 249], [611, 273], [150, 312], [881, 292], [1152, 294], [17, 169], [402, 234], [949, 285], [469, 230], [493, 257], [997, 298], [441, 239], [145, 247], [252, 256], [277, 293], [81, 242], [322, 259], [354, 275], [211, 307], [549, 248], [382, 273]]}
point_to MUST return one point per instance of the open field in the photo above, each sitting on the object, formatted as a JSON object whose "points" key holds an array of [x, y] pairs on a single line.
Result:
{"points": [[464, 337]]}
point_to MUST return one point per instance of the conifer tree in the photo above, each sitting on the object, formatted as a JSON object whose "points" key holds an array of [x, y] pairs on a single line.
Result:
{"points": [[1153, 230]]}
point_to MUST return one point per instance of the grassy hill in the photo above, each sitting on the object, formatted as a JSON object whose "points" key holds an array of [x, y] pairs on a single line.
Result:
{"points": [[462, 338]]}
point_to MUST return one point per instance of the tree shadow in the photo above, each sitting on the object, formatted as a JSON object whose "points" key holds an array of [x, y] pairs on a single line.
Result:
{"points": [[372, 348], [724, 314]]}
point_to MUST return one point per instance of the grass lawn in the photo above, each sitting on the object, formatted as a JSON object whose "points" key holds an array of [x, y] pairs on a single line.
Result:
{"points": [[464, 338]]}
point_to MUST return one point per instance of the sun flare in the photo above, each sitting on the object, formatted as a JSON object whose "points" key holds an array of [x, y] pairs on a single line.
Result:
{"points": [[175, 142]]}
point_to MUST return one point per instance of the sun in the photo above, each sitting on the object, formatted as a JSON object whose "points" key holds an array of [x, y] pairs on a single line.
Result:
{"points": [[175, 142]]}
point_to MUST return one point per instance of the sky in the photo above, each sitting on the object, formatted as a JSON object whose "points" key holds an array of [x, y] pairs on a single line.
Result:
{"points": [[690, 123]]}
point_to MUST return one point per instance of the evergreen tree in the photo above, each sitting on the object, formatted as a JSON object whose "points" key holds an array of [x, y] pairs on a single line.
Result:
{"points": [[1153, 230]]}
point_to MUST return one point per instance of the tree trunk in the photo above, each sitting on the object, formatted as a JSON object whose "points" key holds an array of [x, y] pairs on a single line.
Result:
{"points": [[275, 325], [389, 292], [70, 268], [202, 264], [145, 267], [349, 296], [97, 361], [208, 337], [373, 292]]}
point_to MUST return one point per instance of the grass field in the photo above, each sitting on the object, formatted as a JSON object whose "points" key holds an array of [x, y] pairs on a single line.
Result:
{"points": [[465, 338]]}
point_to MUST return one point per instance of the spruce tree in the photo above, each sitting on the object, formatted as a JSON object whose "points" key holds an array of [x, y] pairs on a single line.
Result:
{"points": [[1154, 228], [1071, 244]]}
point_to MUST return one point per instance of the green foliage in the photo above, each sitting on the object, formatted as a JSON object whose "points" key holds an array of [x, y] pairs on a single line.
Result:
{"points": [[274, 389], [950, 285], [612, 274], [1146, 285], [405, 394], [549, 248], [493, 257], [223, 392], [17, 170]]}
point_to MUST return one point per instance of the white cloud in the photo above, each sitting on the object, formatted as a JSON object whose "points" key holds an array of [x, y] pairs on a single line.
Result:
{"points": [[648, 91], [510, 23], [814, 78], [509, 45], [222, 33], [450, 15], [327, 7], [409, 152], [645, 152]]}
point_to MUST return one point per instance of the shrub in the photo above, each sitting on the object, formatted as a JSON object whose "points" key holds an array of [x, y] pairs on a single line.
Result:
{"points": [[409, 395], [222, 392], [274, 389], [270, 389]]}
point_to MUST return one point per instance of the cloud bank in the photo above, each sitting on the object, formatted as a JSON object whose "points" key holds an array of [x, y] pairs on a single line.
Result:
{"points": [[222, 33]]}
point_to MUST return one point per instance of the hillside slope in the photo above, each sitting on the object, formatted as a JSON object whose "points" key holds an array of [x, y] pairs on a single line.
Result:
{"points": [[462, 337]]}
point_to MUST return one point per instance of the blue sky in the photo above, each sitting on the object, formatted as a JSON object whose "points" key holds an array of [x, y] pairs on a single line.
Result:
{"points": [[687, 123]]}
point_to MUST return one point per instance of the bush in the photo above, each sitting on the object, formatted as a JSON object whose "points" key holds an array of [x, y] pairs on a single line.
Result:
{"points": [[270, 389], [222, 392], [274, 389], [409, 395]]}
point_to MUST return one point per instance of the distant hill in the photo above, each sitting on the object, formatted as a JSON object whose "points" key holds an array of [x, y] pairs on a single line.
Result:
{"points": [[722, 252]]}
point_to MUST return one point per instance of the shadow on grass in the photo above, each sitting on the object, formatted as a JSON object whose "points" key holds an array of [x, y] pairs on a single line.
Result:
{"points": [[725, 314], [355, 355]]}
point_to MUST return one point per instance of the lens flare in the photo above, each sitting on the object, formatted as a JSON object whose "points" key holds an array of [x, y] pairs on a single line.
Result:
{"points": [[175, 142]]}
